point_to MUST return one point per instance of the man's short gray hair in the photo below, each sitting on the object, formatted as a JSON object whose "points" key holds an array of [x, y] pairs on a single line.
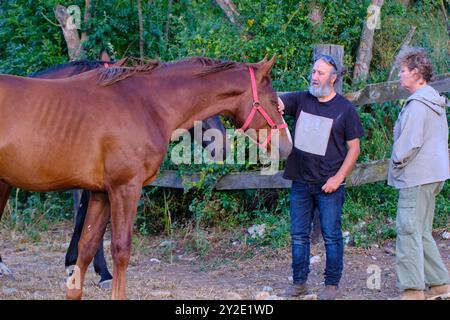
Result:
{"points": [[415, 57]]}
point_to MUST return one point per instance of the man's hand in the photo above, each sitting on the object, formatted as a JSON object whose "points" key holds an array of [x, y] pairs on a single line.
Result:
{"points": [[280, 106], [332, 184]]}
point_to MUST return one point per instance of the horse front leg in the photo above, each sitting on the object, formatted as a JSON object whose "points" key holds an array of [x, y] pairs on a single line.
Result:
{"points": [[123, 211], [5, 190], [93, 229]]}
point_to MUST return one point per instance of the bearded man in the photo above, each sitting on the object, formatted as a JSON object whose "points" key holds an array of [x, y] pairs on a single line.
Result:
{"points": [[327, 132]]}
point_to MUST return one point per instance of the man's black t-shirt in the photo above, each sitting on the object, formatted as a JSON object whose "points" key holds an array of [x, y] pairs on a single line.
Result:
{"points": [[321, 132]]}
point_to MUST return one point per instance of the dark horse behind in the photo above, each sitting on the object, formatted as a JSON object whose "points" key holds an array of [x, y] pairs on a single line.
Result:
{"points": [[110, 131], [100, 266]]}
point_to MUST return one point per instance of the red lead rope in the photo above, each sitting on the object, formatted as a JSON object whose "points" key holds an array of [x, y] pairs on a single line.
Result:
{"points": [[258, 107]]}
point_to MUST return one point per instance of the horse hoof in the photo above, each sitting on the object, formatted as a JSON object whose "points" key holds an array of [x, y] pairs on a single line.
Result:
{"points": [[73, 294], [5, 271], [105, 284]]}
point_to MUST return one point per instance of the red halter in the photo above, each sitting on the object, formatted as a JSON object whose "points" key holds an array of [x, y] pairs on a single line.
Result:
{"points": [[258, 107]]}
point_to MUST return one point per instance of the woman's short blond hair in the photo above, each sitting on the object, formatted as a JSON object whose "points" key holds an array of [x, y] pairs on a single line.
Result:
{"points": [[414, 57]]}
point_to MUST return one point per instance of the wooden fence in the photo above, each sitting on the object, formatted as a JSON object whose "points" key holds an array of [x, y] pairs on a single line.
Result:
{"points": [[363, 173]]}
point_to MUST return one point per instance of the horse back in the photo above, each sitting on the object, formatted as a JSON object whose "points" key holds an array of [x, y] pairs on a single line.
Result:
{"points": [[67, 133]]}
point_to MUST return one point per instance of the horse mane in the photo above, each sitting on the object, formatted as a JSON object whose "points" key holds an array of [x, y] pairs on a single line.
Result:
{"points": [[221, 66], [88, 64], [108, 76], [111, 75]]}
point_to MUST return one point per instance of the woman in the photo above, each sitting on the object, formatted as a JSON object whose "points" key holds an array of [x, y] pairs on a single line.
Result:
{"points": [[419, 167]]}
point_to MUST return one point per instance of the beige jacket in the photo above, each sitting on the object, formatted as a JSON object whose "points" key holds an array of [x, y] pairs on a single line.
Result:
{"points": [[420, 152]]}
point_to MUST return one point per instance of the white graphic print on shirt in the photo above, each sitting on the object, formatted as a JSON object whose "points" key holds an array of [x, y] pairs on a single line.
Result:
{"points": [[312, 133]]}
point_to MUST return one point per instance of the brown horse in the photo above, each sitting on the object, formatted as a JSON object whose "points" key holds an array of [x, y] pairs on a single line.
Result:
{"points": [[63, 71], [80, 207], [108, 131], [57, 72]]}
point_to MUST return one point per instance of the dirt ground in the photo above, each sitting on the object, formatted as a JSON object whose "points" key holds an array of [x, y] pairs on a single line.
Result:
{"points": [[227, 271]]}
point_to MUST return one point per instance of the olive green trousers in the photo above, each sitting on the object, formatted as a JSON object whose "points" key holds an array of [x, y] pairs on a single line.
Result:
{"points": [[418, 261]]}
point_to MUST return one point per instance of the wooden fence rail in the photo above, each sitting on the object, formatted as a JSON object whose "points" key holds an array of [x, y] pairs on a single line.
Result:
{"points": [[388, 91], [391, 90], [363, 173]]}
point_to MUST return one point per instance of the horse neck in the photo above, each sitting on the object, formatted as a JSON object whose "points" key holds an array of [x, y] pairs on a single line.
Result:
{"points": [[192, 98]]}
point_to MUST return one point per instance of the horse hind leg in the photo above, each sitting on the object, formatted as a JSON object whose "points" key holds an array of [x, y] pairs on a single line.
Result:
{"points": [[5, 190], [91, 235], [123, 211]]}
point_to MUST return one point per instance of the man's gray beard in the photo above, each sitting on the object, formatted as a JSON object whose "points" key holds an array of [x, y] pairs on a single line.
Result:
{"points": [[319, 92]]}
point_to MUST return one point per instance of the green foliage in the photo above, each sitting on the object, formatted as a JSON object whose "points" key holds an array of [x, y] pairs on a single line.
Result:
{"points": [[34, 212], [378, 121], [29, 42]]}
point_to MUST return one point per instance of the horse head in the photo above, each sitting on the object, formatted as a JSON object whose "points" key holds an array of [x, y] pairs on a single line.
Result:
{"points": [[258, 109]]}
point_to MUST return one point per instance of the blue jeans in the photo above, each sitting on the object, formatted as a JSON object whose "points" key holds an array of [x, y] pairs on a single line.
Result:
{"points": [[305, 198]]}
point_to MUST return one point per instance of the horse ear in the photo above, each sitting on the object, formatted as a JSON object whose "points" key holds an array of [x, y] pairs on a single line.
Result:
{"points": [[104, 56], [265, 68], [263, 60], [121, 62]]}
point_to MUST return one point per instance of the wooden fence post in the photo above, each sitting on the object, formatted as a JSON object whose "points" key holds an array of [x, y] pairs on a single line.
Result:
{"points": [[337, 52]]}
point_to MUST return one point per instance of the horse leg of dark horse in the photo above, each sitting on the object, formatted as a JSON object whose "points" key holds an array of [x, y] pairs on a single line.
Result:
{"points": [[76, 202], [100, 266], [5, 190], [123, 201], [94, 227], [72, 251]]}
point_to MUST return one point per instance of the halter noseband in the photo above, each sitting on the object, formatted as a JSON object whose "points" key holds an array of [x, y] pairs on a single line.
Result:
{"points": [[258, 107]]}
